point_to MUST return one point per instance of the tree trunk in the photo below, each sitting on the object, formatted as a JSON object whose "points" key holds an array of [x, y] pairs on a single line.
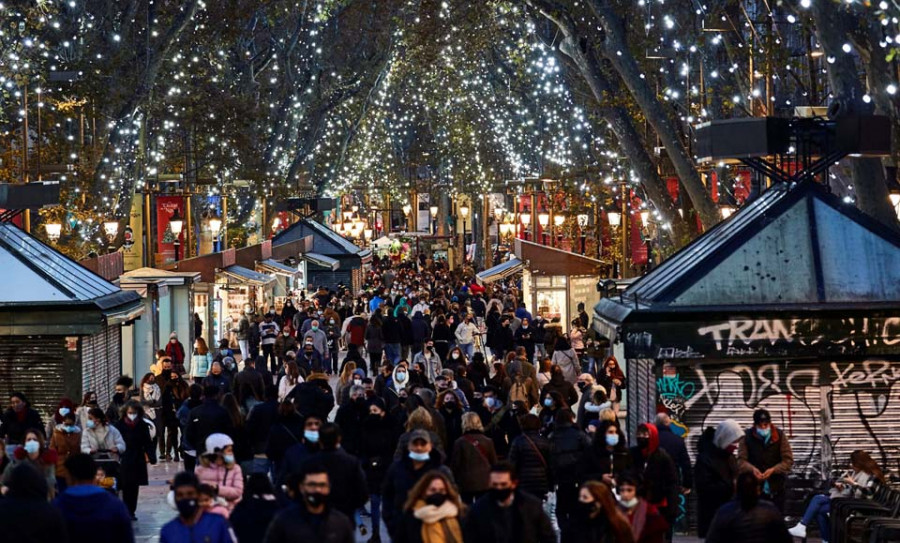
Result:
{"points": [[615, 49], [832, 28]]}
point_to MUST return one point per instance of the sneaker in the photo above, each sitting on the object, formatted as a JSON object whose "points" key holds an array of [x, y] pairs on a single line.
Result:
{"points": [[362, 529], [798, 531]]}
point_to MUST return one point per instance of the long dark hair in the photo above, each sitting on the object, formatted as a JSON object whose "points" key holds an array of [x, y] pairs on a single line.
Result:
{"points": [[617, 521]]}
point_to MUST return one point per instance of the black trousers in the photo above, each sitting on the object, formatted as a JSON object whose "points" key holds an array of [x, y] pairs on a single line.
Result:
{"points": [[130, 497], [190, 462], [268, 355], [375, 361]]}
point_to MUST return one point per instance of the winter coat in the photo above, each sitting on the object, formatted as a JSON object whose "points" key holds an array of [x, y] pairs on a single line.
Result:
{"points": [[349, 491], [715, 473], [211, 528], [583, 529], [431, 364], [94, 515], [251, 517], [13, 428], [398, 481], [753, 451], [133, 462], [525, 337], [531, 456], [569, 444], [204, 420], [252, 378], [675, 446], [284, 344], [374, 338], [406, 334], [285, 433], [567, 361], [65, 444], [390, 327], [377, 444], [229, 480], [102, 438], [312, 399], [45, 465], [565, 389], [528, 522], [421, 330], [351, 417], [295, 525], [660, 475], [598, 460], [259, 422], [175, 351], [763, 523], [471, 460], [29, 518], [221, 381]]}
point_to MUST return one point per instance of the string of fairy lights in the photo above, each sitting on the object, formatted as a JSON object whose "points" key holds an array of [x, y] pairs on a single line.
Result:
{"points": [[479, 86]]}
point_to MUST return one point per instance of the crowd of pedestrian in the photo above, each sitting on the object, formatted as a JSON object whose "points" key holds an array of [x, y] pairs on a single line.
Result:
{"points": [[443, 410]]}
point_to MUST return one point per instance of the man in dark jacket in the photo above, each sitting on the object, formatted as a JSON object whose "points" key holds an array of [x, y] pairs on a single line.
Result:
{"points": [[314, 397], [506, 514], [259, 421], [421, 331], [531, 455], [390, 328], [87, 507], [747, 518], [766, 453], [349, 491], [350, 417], [658, 471], [312, 518], [18, 419], [715, 471], [404, 474], [406, 334], [206, 419], [569, 444], [674, 445]]}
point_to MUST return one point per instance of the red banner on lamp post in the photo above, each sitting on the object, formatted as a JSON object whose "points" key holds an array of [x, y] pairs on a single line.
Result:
{"points": [[165, 238]]}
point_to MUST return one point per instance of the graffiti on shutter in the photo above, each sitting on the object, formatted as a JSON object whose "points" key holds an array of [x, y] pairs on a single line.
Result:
{"points": [[34, 366]]}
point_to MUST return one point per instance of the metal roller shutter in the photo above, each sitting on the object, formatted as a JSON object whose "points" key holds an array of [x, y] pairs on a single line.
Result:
{"points": [[101, 357], [641, 391], [34, 366]]}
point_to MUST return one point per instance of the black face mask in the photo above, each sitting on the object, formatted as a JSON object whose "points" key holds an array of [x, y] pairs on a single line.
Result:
{"points": [[500, 494], [582, 386], [187, 508], [315, 499], [436, 500], [643, 442], [586, 509], [118, 397]]}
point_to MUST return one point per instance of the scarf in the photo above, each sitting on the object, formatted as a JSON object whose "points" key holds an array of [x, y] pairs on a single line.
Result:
{"points": [[638, 518], [439, 524]]}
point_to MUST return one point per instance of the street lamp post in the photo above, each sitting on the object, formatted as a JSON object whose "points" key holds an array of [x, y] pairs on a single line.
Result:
{"points": [[582, 224], [544, 220], [525, 216], [176, 223], [558, 221], [54, 230], [434, 211], [407, 209], [464, 211], [215, 227]]}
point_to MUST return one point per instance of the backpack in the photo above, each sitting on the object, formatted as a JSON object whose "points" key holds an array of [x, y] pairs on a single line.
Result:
{"points": [[518, 392]]}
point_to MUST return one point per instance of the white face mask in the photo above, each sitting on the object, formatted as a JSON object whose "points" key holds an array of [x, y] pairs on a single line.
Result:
{"points": [[132, 416], [629, 503]]}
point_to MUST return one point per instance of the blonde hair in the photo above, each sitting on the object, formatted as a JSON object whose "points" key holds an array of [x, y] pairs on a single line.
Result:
{"points": [[417, 493], [471, 422], [608, 414], [420, 419], [347, 374]]}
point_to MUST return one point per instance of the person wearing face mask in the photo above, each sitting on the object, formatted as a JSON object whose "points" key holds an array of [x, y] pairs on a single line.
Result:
{"points": [[193, 522], [123, 393], [377, 450], [88, 401], [100, 439], [34, 453], [319, 340], [432, 513], [658, 471], [589, 389], [292, 443], [715, 470], [607, 457], [506, 514], [285, 343], [219, 469], [569, 444], [175, 351], [139, 446], [595, 517], [647, 525], [420, 458], [766, 453], [430, 360], [66, 441], [17, 420], [465, 336], [63, 408], [311, 518], [351, 417]]}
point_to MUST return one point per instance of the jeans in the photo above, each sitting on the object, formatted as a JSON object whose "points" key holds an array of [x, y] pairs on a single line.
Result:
{"points": [[468, 349], [244, 344], [392, 350], [375, 500], [819, 508]]}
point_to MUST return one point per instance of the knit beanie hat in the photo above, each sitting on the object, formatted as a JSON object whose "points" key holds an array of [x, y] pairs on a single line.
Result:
{"points": [[727, 433]]}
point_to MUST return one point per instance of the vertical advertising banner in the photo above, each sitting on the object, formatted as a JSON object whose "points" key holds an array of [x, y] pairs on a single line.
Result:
{"points": [[165, 238], [638, 247], [133, 242]]}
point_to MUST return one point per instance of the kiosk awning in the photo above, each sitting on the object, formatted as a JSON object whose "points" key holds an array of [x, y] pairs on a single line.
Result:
{"points": [[277, 268], [241, 274], [322, 260], [500, 271]]}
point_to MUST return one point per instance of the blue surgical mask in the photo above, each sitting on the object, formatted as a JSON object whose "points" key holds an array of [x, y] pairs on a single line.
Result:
{"points": [[63, 411], [548, 402], [419, 457], [311, 435], [91, 424], [32, 447], [612, 439], [764, 433], [228, 458]]}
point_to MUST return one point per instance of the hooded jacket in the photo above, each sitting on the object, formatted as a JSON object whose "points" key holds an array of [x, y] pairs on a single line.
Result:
{"points": [[87, 508], [715, 472], [659, 473]]}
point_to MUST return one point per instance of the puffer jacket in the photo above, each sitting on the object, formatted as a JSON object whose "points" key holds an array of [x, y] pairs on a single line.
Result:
{"points": [[65, 444], [102, 438], [531, 456], [230, 481], [200, 364]]}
